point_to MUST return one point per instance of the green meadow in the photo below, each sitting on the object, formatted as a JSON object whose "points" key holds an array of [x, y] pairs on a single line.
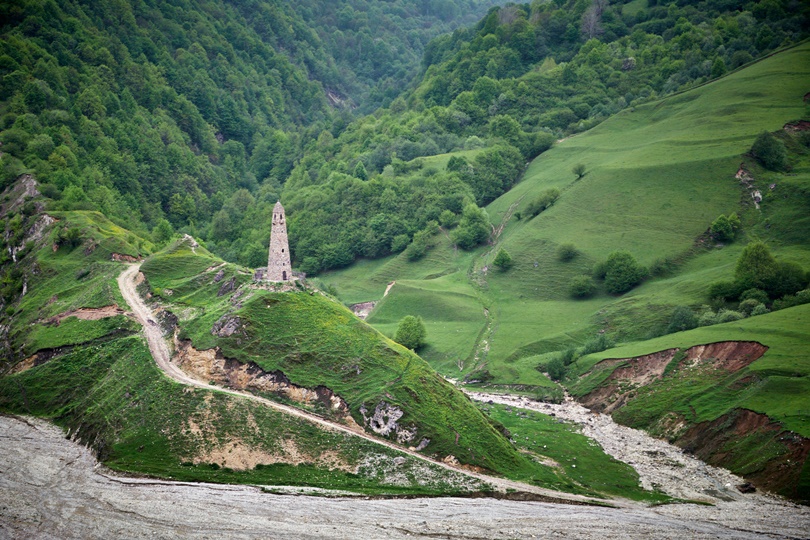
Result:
{"points": [[656, 177]]}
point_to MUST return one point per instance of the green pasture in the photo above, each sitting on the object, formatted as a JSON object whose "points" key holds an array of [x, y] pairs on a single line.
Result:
{"points": [[656, 177]]}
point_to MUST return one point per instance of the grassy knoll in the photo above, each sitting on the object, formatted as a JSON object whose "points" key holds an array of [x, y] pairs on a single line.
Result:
{"points": [[62, 277], [317, 342]]}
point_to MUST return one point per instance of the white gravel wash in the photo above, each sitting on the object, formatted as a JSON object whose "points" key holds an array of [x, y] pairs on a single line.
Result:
{"points": [[51, 488]]}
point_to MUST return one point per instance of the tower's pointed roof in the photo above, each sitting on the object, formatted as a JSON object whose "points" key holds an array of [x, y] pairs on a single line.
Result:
{"points": [[278, 206]]}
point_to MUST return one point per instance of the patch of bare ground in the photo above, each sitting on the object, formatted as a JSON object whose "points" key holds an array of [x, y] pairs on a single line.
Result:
{"points": [[240, 456], [716, 442], [617, 389], [211, 366], [86, 314]]}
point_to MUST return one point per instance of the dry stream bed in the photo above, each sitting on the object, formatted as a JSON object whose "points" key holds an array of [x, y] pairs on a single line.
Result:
{"points": [[53, 488]]}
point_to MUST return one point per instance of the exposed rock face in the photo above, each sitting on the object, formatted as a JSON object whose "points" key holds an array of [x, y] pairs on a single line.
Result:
{"points": [[362, 310], [618, 388], [773, 456], [384, 421], [120, 257], [227, 287], [226, 326], [211, 365], [719, 441]]}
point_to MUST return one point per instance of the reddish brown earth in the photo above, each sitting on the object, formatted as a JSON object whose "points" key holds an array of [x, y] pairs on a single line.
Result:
{"points": [[715, 442], [633, 373], [758, 447]]}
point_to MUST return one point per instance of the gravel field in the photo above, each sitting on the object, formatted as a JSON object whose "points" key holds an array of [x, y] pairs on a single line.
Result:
{"points": [[52, 488]]}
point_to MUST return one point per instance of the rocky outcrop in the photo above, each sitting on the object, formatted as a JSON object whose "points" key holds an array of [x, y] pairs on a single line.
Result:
{"points": [[227, 326], [121, 257], [385, 421]]}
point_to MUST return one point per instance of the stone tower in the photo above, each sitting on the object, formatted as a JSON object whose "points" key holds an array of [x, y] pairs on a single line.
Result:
{"points": [[278, 261]]}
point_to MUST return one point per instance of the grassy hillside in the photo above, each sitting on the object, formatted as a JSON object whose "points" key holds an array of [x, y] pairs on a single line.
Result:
{"points": [[656, 177], [316, 343]]}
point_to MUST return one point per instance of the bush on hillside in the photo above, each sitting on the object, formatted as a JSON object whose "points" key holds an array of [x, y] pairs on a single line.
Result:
{"points": [[569, 356], [567, 252], [622, 272], [683, 318], [411, 332], [473, 229], [790, 300], [503, 261], [770, 152], [759, 310], [597, 344], [725, 228], [556, 369], [728, 315], [543, 201], [748, 306], [758, 269], [755, 294], [582, 287], [708, 318], [579, 170]]}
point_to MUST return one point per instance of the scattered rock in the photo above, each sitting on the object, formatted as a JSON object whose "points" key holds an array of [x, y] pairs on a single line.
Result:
{"points": [[227, 287], [120, 257], [219, 276], [746, 487]]}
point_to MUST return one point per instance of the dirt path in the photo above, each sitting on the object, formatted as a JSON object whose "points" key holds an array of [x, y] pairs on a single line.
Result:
{"points": [[659, 464], [52, 488], [162, 355]]}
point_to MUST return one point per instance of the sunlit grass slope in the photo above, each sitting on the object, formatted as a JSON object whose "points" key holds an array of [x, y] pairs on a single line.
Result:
{"points": [[656, 177]]}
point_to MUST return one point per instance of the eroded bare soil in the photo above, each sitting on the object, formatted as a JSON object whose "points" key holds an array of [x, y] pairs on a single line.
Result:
{"points": [[51, 488]]}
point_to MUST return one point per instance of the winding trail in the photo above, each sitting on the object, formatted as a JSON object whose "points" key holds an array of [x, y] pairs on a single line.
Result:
{"points": [[162, 355]]}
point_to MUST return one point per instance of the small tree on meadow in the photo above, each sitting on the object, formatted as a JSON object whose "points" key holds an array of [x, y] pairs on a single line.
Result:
{"points": [[770, 152], [582, 287], [503, 260], [579, 170], [567, 252], [622, 272], [411, 332], [725, 228]]}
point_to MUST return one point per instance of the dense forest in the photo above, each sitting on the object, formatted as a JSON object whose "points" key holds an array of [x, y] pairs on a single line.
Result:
{"points": [[195, 116]]}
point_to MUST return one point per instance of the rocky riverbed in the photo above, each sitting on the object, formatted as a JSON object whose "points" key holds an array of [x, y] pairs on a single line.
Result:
{"points": [[52, 488]]}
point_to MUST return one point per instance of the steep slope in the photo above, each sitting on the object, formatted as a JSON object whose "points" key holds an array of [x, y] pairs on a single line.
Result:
{"points": [[733, 394], [310, 350]]}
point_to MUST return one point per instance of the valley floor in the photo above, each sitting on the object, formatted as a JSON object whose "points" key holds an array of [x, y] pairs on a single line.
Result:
{"points": [[53, 488]]}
